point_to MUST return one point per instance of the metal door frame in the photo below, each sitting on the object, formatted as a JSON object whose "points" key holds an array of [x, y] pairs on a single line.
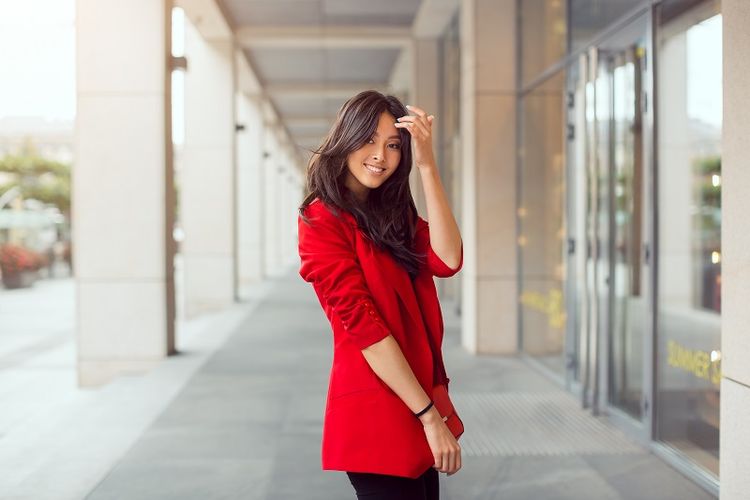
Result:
{"points": [[593, 384]]}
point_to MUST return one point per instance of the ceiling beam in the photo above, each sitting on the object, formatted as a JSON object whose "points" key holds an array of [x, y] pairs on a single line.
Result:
{"points": [[314, 91], [307, 37], [433, 17], [208, 17]]}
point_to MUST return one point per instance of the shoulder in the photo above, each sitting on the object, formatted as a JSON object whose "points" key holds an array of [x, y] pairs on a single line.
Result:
{"points": [[319, 212]]}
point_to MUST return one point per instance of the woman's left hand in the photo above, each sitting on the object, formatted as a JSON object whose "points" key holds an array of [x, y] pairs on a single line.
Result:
{"points": [[420, 128]]}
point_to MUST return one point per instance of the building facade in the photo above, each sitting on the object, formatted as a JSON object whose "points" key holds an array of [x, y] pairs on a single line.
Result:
{"points": [[592, 150], [620, 217]]}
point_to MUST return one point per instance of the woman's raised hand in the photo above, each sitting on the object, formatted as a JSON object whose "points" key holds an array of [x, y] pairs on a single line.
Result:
{"points": [[445, 448], [419, 126]]}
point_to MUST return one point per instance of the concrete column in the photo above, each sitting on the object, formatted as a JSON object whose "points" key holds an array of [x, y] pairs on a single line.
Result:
{"points": [[249, 192], [427, 90], [288, 215], [426, 94], [289, 201], [735, 244], [122, 177], [281, 208], [488, 129], [208, 178], [270, 167]]}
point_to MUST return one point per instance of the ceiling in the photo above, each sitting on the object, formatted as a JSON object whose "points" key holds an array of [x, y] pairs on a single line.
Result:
{"points": [[311, 55]]}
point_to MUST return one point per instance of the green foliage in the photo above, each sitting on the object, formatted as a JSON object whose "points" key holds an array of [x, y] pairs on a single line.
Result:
{"points": [[707, 165], [707, 198], [39, 178]]}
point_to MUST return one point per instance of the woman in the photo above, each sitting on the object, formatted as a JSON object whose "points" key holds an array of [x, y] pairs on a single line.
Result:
{"points": [[371, 260]]}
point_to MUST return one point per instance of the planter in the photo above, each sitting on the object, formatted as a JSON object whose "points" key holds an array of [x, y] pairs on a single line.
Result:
{"points": [[20, 279]]}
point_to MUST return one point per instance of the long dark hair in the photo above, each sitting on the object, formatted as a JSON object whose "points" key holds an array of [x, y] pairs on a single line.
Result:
{"points": [[388, 216]]}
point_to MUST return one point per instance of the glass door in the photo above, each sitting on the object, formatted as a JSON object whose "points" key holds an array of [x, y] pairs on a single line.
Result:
{"points": [[608, 252], [628, 307]]}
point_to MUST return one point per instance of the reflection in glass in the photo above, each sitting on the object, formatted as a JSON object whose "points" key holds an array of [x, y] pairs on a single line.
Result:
{"points": [[689, 202], [589, 17], [540, 214], [628, 304]]}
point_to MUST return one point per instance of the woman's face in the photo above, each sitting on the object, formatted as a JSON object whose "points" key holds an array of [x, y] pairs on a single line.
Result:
{"points": [[372, 164]]}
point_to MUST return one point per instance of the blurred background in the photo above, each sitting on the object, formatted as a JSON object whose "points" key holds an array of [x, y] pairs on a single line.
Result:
{"points": [[152, 159]]}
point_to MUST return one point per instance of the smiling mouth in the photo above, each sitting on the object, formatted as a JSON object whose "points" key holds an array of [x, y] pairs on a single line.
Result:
{"points": [[374, 170]]}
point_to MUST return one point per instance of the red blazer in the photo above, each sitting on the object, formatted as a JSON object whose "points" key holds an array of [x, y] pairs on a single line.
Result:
{"points": [[366, 295]]}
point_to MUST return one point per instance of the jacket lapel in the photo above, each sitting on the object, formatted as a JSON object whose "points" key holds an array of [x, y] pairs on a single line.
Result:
{"points": [[404, 289]]}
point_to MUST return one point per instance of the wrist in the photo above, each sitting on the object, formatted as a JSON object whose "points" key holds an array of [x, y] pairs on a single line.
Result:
{"points": [[430, 417], [427, 167]]}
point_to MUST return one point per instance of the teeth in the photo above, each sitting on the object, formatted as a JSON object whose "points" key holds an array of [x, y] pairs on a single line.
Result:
{"points": [[374, 169]]}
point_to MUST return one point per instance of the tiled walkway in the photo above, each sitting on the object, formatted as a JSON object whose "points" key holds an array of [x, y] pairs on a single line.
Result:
{"points": [[248, 426]]}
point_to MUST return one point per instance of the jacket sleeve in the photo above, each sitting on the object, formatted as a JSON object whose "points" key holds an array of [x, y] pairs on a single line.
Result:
{"points": [[329, 262], [434, 264]]}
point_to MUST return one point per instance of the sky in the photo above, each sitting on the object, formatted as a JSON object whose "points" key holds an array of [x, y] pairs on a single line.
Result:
{"points": [[38, 80], [704, 71]]}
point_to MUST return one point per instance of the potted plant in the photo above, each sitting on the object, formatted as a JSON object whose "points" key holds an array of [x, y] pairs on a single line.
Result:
{"points": [[18, 266]]}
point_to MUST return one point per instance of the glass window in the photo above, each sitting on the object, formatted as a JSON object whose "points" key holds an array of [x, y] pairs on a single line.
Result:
{"points": [[541, 223], [689, 260], [542, 36], [589, 17]]}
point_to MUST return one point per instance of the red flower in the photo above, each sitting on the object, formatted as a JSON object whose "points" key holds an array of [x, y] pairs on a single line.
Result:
{"points": [[14, 258]]}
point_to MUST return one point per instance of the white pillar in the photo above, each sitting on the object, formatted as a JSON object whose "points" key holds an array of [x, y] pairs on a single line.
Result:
{"points": [[207, 193], [488, 129], [272, 230], [292, 199], [121, 179], [426, 78], [286, 202], [426, 95], [735, 245], [249, 192]]}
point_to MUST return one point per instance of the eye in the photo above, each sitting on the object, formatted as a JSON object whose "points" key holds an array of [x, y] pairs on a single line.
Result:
{"points": [[397, 145]]}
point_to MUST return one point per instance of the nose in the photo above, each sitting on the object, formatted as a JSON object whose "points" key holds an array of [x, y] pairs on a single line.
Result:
{"points": [[377, 155]]}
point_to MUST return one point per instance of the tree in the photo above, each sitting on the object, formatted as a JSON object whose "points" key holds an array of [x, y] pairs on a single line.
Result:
{"points": [[39, 178]]}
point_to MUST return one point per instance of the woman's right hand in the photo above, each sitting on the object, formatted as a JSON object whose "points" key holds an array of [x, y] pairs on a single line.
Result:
{"points": [[445, 448]]}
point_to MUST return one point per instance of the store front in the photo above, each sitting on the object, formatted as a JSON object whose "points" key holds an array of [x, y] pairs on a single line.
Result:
{"points": [[619, 215]]}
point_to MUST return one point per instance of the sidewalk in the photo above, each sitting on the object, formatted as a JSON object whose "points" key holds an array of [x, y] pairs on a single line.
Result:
{"points": [[244, 422]]}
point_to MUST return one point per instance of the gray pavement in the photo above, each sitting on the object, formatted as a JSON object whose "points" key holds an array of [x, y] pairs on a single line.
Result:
{"points": [[247, 425]]}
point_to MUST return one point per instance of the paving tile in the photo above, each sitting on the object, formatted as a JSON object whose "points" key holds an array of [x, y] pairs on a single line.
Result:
{"points": [[249, 423], [186, 479]]}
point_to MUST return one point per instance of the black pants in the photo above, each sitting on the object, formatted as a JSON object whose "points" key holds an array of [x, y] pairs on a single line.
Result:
{"points": [[373, 486]]}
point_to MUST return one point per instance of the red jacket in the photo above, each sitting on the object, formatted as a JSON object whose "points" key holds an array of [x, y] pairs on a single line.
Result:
{"points": [[366, 295]]}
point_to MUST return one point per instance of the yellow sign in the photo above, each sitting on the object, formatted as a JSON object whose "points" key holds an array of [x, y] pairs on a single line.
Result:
{"points": [[699, 363], [552, 305]]}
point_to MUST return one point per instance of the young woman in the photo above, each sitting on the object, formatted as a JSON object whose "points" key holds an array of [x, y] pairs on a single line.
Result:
{"points": [[371, 260]]}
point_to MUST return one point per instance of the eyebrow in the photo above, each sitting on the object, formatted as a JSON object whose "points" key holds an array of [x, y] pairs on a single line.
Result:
{"points": [[391, 137]]}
